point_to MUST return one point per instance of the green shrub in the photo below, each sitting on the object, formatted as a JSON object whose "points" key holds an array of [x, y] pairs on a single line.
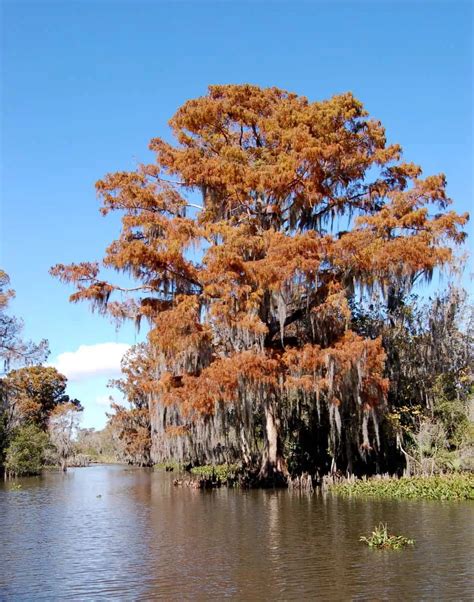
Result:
{"points": [[220, 471], [26, 451]]}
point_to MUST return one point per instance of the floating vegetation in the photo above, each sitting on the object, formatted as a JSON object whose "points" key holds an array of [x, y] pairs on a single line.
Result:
{"points": [[382, 539], [441, 487]]}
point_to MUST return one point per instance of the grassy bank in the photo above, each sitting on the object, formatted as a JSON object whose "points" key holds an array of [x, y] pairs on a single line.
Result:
{"points": [[446, 487], [208, 471], [223, 472]]}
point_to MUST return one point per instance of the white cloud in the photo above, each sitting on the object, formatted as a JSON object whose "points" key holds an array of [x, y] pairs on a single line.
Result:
{"points": [[89, 361], [103, 400]]}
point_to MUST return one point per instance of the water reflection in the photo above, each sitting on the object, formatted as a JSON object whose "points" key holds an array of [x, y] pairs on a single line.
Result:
{"points": [[108, 533]]}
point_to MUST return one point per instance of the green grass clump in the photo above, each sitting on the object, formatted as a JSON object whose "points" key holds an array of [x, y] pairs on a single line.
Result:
{"points": [[169, 466], [382, 539], [223, 472], [445, 487]]}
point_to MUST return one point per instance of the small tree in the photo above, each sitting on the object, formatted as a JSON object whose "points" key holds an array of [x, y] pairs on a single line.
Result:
{"points": [[25, 452], [131, 433], [33, 392], [130, 427], [62, 427], [13, 349]]}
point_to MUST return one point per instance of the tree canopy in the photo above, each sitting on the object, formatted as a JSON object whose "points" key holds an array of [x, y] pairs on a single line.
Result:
{"points": [[34, 392], [248, 241], [34, 401]]}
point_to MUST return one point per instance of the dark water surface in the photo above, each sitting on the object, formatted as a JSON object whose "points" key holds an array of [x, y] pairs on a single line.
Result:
{"points": [[144, 539]]}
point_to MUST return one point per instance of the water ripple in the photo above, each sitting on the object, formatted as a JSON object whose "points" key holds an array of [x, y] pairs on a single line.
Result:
{"points": [[113, 533]]}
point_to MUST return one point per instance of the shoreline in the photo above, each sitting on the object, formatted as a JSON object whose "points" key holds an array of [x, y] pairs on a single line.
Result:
{"points": [[444, 487]]}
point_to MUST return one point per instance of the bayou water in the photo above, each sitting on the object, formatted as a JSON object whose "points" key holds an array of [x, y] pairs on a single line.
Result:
{"points": [[118, 533]]}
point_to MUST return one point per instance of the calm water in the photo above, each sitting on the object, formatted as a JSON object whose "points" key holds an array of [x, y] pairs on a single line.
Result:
{"points": [[144, 539]]}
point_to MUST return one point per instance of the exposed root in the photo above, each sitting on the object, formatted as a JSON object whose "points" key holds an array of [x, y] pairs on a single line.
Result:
{"points": [[302, 483]]}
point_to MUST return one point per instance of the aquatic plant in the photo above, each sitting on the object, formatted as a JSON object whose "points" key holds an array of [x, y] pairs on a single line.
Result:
{"points": [[382, 539], [441, 487]]}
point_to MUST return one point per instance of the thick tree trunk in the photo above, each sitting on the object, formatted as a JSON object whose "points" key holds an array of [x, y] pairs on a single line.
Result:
{"points": [[273, 469]]}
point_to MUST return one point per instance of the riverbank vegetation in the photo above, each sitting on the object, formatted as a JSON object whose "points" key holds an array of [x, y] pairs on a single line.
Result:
{"points": [[222, 471], [37, 418], [458, 486], [274, 252], [39, 421]]}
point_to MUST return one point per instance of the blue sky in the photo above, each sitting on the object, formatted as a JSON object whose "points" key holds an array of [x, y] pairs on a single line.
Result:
{"points": [[86, 85]]}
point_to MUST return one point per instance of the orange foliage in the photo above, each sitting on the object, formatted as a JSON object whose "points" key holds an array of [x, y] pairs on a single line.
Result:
{"points": [[35, 393], [131, 431], [248, 289]]}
